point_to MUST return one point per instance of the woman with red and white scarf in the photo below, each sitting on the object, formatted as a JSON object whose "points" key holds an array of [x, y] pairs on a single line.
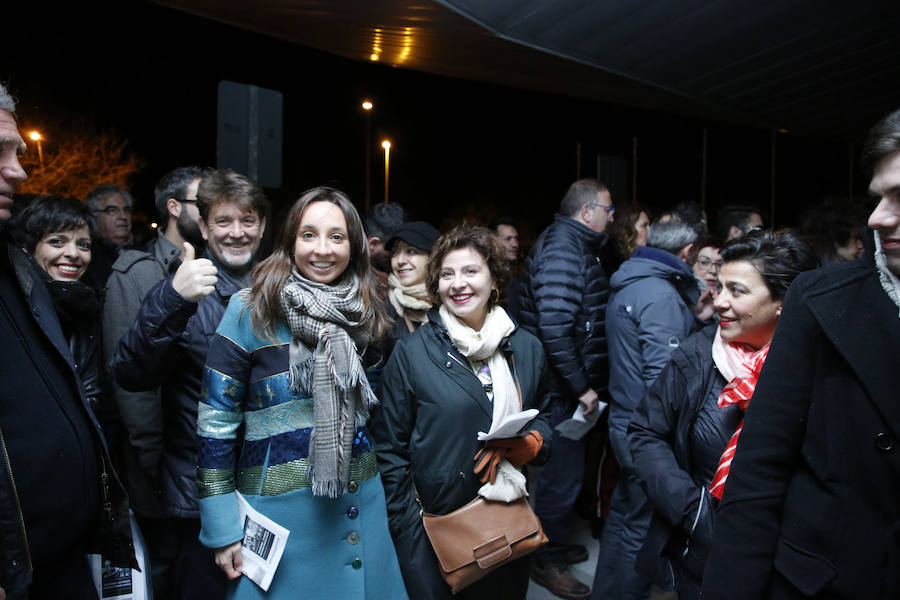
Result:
{"points": [[684, 432]]}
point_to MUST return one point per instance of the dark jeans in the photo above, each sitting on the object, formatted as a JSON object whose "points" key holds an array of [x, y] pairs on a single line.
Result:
{"points": [[558, 483], [624, 533], [181, 567]]}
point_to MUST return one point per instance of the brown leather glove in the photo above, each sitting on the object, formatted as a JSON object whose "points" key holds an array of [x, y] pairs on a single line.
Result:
{"points": [[518, 451], [489, 459]]}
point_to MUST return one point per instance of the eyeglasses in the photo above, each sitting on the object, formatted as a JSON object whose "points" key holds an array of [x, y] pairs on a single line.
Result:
{"points": [[609, 209], [112, 210], [185, 200], [706, 263]]}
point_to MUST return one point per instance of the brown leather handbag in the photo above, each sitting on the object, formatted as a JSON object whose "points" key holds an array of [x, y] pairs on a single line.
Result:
{"points": [[481, 536]]}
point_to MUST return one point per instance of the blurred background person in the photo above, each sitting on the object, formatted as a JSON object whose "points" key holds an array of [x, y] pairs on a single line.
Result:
{"points": [[705, 261], [111, 206], [628, 231], [681, 428], [835, 229], [506, 231], [465, 369], [734, 221], [408, 300]]}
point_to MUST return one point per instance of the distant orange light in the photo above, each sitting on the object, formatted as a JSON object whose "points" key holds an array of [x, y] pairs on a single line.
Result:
{"points": [[153, 225], [367, 105], [386, 145], [373, 57], [34, 135]]}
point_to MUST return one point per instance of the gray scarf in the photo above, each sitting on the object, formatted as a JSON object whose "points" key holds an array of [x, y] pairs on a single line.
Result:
{"points": [[327, 323], [889, 281]]}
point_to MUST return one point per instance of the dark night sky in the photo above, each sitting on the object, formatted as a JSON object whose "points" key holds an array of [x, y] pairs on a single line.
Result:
{"points": [[151, 74]]}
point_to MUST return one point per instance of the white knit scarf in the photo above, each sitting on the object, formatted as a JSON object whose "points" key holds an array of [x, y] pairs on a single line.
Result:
{"points": [[889, 281], [410, 301], [483, 345], [327, 323]]}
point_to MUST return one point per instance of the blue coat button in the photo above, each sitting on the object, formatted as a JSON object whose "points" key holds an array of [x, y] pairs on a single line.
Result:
{"points": [[353, 538], [356, 564], [352, 512]]}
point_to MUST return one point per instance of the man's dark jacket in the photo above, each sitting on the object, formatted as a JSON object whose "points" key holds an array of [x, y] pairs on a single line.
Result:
{"points": [[166, 346], [564, 295], [811, 506], [52, 452]]}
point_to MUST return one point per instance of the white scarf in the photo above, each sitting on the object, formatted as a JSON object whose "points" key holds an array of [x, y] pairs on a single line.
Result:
{"points": [[889, 281], [410, 301], [484, 345]]}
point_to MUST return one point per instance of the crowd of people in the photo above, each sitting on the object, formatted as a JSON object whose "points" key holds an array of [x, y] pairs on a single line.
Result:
{"points": [[746, 382]]}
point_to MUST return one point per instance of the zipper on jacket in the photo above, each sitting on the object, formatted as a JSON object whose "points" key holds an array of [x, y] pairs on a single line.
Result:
{"points": [[464, 366], [15, 494]]}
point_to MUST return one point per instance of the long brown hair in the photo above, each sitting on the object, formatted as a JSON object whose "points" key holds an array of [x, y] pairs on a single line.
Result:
{"points": [[269, 276]]}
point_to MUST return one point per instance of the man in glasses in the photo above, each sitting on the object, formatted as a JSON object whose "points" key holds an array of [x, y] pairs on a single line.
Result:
{"points": [[133, 274], [111, 206], [563, 303]]}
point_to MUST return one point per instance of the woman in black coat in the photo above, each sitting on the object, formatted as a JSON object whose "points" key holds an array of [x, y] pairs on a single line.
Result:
{"points": [[442, 385], [58, 232], [680, 430]]}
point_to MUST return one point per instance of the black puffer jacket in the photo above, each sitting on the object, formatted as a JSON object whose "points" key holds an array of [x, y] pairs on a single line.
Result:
{"points": [[166, 346], [564, 295], [432, 407], [677, 435]]}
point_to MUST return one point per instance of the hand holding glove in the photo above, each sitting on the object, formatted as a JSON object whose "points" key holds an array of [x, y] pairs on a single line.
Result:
{"points": [[519, 451]]}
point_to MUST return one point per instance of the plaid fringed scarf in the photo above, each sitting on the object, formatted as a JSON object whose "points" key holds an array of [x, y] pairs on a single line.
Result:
{"points": [[327, 323]]}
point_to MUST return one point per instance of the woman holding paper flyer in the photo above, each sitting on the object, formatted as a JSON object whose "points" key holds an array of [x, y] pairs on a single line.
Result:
{"points": [[463, 372], [286, 374]]}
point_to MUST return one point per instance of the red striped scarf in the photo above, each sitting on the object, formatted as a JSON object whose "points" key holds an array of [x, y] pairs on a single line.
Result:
{"points": [[741, 367]]}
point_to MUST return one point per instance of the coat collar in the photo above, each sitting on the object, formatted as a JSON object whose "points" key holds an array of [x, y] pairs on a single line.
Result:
{"points": [[861, 321], [445, 356]]}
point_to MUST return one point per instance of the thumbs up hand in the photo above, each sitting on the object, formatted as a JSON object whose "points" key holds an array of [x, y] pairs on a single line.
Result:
{"points": [[196, 278]]}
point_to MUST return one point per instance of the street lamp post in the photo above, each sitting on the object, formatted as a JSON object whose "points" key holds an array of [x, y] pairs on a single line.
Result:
{"points": [[37, 138], [367, 106], [386, 144]]}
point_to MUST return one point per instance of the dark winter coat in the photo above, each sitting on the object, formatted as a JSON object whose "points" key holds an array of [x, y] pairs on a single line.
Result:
{"points": [[811, 507], [648, 316], [677, 435], [432, 407], [563, 303], [166, 346], [133, 275], [52, 452]]}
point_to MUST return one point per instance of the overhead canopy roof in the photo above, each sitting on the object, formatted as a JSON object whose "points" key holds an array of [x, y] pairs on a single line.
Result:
{"points": [[817, 67]]}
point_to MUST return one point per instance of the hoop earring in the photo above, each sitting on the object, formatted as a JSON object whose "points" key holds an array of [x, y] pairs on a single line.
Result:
{"points": [[495, 296]]}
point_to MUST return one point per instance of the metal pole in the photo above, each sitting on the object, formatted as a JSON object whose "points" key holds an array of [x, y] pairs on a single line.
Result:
{"points": [[387, 160], [578, 160], [850, 169], [704, 154], [634, 167], [772, 184], [368, 159]]}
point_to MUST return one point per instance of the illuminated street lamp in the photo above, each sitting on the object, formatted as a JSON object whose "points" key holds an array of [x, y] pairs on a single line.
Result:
{"points": [[37, 138], [386, 144], [367, 107]]}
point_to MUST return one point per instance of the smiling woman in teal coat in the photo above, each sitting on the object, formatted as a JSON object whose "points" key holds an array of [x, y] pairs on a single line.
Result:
{"points": [[288, 367]]}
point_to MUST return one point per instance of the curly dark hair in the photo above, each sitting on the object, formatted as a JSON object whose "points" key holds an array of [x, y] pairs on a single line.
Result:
{"points": [[779, 257], [480, 239]]}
